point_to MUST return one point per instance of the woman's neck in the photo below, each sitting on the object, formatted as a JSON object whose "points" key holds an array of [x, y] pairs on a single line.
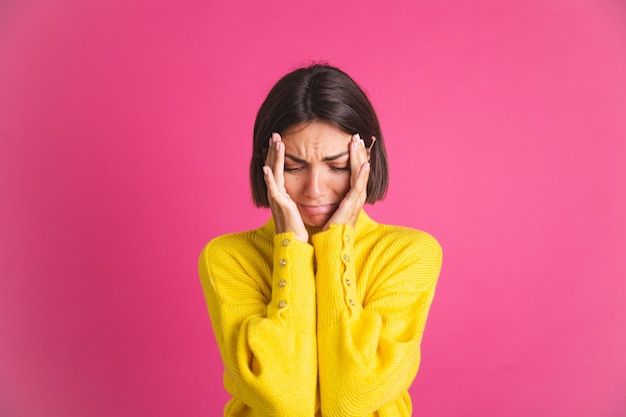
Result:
{"points": [[313, 230]]}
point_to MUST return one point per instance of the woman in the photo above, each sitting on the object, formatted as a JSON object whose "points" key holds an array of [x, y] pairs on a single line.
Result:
{"points": [[320, 311]]}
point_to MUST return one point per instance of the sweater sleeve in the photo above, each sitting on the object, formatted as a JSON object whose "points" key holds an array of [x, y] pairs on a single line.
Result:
{"points": [[266, 335], [369, 341]]}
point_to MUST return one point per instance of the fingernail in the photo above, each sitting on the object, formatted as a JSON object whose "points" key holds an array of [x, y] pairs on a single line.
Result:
{"points": [[357, 137], [367, 166], [265, 168], [362, 143]]}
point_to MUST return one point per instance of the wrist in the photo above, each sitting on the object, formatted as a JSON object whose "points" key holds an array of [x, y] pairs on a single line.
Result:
{"points": [[302, 236]]}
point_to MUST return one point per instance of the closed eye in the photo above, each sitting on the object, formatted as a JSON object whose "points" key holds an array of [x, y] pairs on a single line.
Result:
{"points": [[293, 169], [340, 169]]}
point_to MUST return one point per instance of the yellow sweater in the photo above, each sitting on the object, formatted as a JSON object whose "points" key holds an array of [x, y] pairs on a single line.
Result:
{"points": [[331, 327]]}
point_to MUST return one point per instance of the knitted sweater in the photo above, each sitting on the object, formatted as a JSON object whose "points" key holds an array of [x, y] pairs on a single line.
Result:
{"points": [[331, 327]]}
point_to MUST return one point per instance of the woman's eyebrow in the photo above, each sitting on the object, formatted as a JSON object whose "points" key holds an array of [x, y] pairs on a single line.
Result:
{"points": [[325, 159], [295, 159], [332, 158]]}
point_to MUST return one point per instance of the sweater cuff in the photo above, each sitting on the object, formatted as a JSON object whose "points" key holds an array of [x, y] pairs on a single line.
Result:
{"points": [[293, 286], [337, 298]]}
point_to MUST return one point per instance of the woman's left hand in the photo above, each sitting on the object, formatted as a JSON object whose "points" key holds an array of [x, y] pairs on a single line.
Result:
{"points": [[352, 203]]}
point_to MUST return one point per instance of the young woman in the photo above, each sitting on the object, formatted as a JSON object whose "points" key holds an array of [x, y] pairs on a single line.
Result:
{"points": [[320, 311]]}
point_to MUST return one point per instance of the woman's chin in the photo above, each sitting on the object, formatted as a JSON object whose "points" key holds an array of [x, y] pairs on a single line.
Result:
{"points": [[319, 220], [316, 221]]}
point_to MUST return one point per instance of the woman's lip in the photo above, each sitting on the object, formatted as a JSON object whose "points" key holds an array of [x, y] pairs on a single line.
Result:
{"points": [[321, 209]]}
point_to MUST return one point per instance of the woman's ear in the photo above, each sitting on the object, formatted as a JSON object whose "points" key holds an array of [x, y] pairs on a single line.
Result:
{"points": [[369, 150]]}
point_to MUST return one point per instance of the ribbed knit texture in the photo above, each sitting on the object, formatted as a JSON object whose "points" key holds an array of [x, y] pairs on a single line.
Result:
{"points": [[331, 327]]}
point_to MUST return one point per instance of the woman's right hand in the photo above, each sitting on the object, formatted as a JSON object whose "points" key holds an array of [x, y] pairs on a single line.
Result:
{"points": [[284, 210]]}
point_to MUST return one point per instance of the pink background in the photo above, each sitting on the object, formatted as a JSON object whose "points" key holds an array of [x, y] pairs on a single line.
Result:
{"points": [[125, 132]]}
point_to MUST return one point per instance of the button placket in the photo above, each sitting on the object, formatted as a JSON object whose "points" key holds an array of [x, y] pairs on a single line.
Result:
{"points": [[282, 273], [346, 256]]}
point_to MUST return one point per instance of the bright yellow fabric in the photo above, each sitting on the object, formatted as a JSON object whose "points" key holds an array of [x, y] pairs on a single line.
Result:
{"points": [[331, 327]]}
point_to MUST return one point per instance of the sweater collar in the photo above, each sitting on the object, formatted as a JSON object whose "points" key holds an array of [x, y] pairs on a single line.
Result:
{"points": [[363, 223]]}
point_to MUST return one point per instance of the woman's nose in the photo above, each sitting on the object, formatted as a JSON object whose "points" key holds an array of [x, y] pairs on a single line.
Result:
{"points": [[315, 184]]}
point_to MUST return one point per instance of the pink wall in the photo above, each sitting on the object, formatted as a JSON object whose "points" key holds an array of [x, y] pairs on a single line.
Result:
{"points": [[125, 130]]}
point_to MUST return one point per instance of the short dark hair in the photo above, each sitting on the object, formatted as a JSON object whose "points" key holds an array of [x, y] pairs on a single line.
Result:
{"points": [[318, 92]]}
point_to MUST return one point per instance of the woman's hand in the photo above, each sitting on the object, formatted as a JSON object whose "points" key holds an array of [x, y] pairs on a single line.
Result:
{"points": [[352, 203], [284, 210]]}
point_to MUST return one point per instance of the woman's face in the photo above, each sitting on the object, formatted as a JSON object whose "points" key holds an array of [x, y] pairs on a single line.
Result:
{"points": [[317, 169]]}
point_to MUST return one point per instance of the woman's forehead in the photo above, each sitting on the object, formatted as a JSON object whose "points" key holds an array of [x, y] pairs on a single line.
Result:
{"points": [[316, 133]]}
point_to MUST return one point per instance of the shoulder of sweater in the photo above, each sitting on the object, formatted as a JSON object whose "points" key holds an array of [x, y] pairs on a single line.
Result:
{"points": [[235, 242], [402, 234], [404, 244]]}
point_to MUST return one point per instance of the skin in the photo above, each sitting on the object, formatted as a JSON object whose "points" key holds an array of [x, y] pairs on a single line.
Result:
{"points": [[316, 175]]}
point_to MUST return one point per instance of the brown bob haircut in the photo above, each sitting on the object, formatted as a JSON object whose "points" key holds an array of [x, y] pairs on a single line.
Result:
{"points": [[318, 92]]}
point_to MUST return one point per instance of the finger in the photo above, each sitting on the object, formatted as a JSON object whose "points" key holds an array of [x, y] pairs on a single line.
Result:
{"points": [[271, 151], [358, 156], [269, 181], [279, 162], [354, 158], [274, 193], [358, 192], [355, 198]]}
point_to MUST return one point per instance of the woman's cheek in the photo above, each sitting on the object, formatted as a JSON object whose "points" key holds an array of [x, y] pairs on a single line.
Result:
{"points": [[342, 183], [291, 183]]}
